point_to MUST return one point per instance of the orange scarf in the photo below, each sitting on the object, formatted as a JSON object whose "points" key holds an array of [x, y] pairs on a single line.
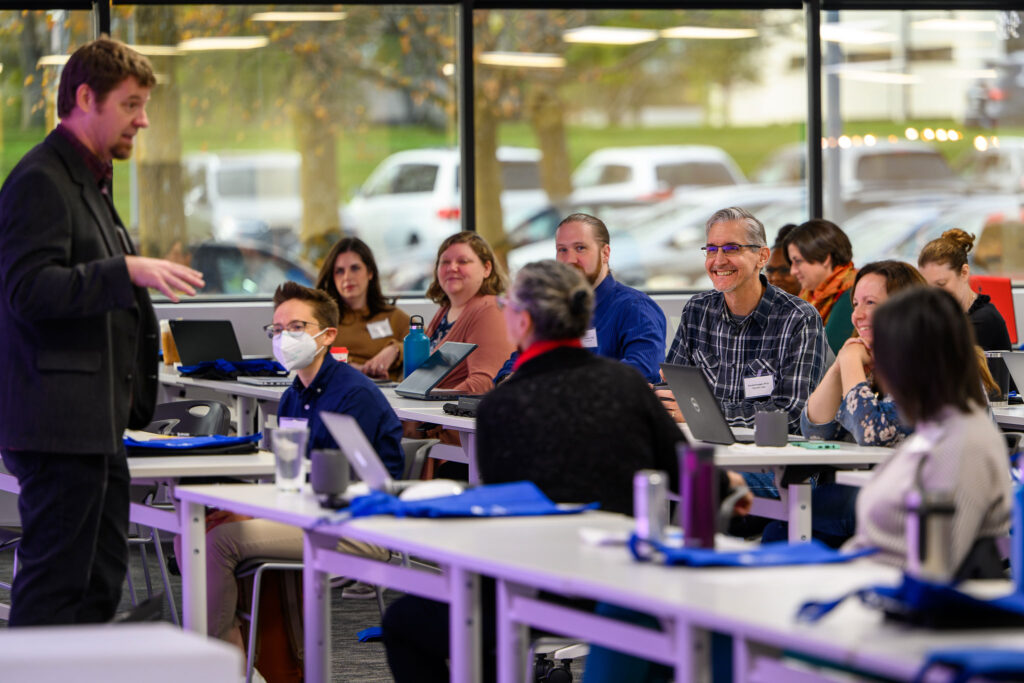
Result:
{"points": [[828, 292]]}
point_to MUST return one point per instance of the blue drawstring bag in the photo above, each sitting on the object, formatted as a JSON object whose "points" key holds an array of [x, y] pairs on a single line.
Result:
{"points": [[514, 499], [971, 663], [193, 445], [765, 555], [226, 370]]}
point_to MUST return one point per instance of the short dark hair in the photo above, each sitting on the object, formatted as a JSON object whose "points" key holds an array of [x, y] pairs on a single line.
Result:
{"points": [[924, 354], [101, 64], [375, 301], [324, 309], [494, 283], [598, 230], [782, 241], [898, 275], [557, 297], [817, 239]]}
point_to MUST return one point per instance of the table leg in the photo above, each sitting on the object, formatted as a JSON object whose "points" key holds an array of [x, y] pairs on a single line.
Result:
{"points": [[245, 413], [316, 597], [468, 441], [511, 636], [464, 626], [799, 504], [193, 566], [692, 649]]}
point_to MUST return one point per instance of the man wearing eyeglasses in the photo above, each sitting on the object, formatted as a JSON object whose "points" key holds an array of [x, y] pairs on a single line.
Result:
{"points": [[759, 347], [305, 324]]}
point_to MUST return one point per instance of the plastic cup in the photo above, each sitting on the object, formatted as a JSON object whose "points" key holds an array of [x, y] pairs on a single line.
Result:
{"points": [[289, 447]]}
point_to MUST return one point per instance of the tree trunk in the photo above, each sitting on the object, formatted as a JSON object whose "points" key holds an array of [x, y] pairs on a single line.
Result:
{"points": [[33, 110], [318, 144], [547, 114], [161, 207], [489, 220]]}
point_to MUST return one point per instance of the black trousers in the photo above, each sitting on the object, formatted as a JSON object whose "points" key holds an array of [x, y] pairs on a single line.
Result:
{"points": [[74, 550]]}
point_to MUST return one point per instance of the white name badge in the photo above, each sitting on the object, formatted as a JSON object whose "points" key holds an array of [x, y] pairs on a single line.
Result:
{"points": [[589, 339], [292, 422], [757, 387], [379, 329]]}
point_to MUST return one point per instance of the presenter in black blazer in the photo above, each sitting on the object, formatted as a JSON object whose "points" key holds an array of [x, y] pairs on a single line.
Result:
{"points": [[79, 341]]}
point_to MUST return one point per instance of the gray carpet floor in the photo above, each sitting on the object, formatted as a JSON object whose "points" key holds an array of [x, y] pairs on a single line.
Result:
{"points": [[351, 660]]}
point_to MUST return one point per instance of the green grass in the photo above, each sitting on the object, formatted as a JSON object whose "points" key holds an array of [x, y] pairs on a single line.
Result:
{"points": [[361, 149]]}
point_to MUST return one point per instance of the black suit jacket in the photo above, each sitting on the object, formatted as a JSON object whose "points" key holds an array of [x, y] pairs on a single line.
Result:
{"points": [[78, 341]]}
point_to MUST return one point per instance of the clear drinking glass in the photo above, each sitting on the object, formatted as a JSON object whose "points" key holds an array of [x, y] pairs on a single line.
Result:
{"points": [[289, 447]]}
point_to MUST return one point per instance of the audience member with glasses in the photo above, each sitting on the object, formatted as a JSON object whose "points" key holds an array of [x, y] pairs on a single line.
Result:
{"points": [[778, 269], [304, 327], [760, 348]]}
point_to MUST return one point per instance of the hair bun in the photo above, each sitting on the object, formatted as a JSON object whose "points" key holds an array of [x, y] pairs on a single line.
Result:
{"points": [[960, 238]]}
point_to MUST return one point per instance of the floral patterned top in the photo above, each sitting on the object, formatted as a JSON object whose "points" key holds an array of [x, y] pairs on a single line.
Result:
{"points": [[862, 416]]}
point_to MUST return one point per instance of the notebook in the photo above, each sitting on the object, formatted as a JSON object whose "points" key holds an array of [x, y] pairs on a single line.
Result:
{"points": [[421, 382], [698, 405]]}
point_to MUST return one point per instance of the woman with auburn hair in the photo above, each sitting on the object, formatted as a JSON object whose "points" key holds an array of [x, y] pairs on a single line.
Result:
{"points": [[943, 263], [467, 278], [821, 256], [371, 327]]}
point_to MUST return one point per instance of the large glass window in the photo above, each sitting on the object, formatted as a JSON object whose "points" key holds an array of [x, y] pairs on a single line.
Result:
{"points": [[651, 120], [268, 121], [923, 113]]}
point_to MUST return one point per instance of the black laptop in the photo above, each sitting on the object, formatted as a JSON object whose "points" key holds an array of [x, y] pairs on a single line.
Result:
{"points": [[421, 382], [698, 405], [209, 340]]}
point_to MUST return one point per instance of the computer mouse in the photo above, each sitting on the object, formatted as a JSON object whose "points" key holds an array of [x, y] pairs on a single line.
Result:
{"points": [[434, 488]]}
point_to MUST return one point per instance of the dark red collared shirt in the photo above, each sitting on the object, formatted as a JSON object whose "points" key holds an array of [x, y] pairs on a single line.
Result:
{"points": [[102, 171]]}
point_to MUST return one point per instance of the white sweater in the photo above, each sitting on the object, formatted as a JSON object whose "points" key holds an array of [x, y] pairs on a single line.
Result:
{"points": [[966, 454]]}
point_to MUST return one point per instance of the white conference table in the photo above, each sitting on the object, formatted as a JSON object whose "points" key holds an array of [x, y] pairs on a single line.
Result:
{"points": [[527, 555], [1009, 417], [252, 402], [414, 410], [321, 558]]}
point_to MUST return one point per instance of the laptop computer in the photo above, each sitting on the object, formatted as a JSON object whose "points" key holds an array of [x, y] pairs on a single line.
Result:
{"points": [[421, 382], [205, 340], [210, 340], [699, 407]]}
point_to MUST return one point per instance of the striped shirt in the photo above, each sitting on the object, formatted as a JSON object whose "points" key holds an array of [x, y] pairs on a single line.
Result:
{"points": [[783, 338]]}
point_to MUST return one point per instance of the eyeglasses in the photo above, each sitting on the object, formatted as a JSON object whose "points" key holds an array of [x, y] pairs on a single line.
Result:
{"points": [[726, 249], [508, 301], [295, 327]]}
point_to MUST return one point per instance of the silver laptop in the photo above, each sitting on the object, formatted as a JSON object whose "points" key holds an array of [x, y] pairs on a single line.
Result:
{"points": [[360, 453], [1015, 364], [421, 382], [698, 405], [268, 381]]}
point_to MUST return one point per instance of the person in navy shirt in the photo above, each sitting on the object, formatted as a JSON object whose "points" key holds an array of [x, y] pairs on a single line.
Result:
{"points": [[627, 325], [305, 323]]}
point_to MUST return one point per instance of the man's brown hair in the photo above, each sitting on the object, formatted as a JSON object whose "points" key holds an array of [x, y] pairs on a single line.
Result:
{"points": [[102, 65], [324, 309]]}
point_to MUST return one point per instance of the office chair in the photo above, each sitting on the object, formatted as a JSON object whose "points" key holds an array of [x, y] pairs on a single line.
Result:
{"points": [[200, 417], [197, 417]]}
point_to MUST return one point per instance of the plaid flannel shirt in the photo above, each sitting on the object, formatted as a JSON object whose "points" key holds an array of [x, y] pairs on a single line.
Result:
{"points": [[782, 337]]}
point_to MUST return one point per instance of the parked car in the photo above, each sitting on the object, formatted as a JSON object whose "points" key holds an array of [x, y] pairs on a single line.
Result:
{"points": [[999, 101], [243, 196], [872, 175], [246, 268], [650, 174], [995, 169], [413, 197]]}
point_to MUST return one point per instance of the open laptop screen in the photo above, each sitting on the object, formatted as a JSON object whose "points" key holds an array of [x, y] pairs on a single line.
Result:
{"points": [[205, 340], [437, 366]]}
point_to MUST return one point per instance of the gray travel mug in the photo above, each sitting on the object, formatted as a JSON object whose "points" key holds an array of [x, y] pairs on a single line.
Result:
{"points": [[328, 474], [771, 428]]}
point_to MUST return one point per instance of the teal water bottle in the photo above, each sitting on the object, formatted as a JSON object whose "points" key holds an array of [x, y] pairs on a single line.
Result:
{"points": [[416, 345]]}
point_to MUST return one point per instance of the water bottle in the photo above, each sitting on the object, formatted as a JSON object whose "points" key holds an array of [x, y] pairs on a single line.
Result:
{"points": [[930, 534], [650, 504], [416, 345], [699, 491]]}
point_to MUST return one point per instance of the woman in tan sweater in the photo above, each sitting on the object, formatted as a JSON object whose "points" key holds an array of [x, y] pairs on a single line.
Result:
{"points": [[371, 327]]}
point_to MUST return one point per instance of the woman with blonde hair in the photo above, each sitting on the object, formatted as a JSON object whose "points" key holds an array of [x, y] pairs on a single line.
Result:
{"points": [[943, 263]]}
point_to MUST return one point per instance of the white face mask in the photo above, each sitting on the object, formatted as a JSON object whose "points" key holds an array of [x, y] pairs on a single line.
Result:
{"points": [[296, 351]]}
